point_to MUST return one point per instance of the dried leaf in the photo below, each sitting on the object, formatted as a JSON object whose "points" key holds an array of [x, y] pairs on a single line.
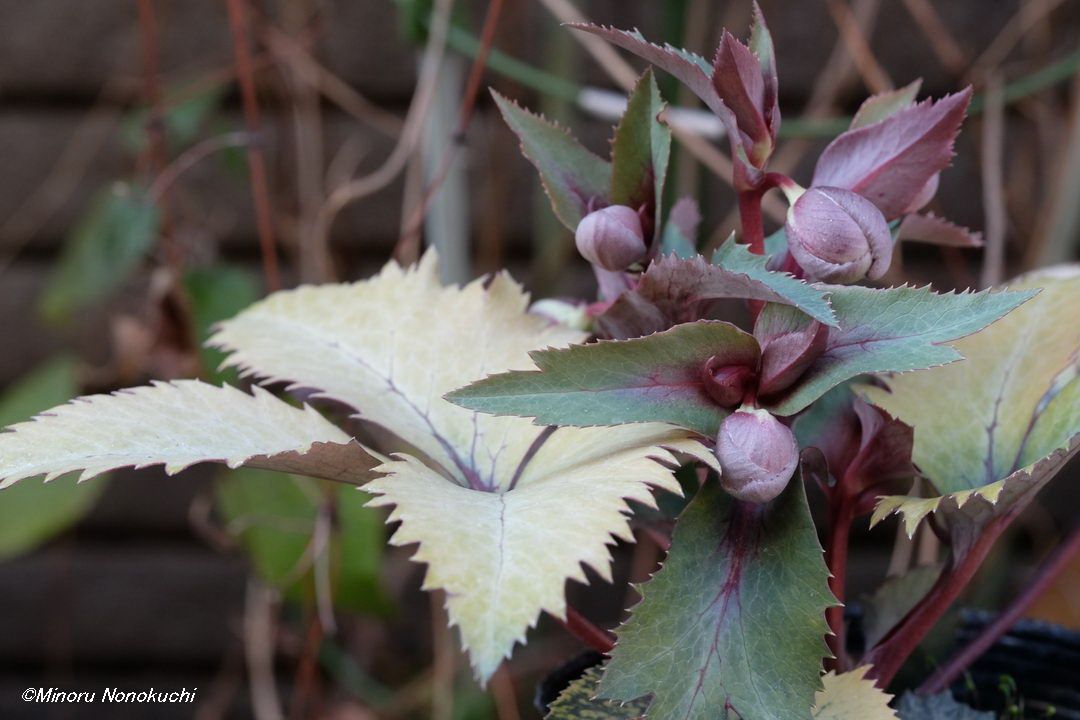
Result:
{"points": [[851, 696]]}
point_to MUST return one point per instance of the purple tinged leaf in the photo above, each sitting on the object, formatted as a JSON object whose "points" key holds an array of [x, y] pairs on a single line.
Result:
{"points": [[757, 454], [675, 290], [575, 179], [691, 70], [890, 162], [640, 153], [838, 236], [885, 104], [929, 190], [761, 44], [932, 229], [789, 342], [738, 81], [680, 232]]}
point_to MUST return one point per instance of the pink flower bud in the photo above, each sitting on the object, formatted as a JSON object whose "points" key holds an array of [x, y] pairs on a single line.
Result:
{"points": [[726, 384], [611, 238], [790, 342], [757, 453], [838, 236]]}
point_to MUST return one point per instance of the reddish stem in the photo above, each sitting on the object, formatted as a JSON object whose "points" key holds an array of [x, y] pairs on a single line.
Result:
{"points": [[753, 228], [1044, 577], [260, 191], [889, 655], [582, 628], [841, 515]]}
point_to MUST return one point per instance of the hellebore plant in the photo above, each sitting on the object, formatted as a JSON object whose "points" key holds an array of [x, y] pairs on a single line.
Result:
{"points": [[514, 446]]}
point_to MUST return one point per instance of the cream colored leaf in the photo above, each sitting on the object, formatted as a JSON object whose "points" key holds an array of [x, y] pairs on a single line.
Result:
{"points": [[851, 696], [504, 511], [392, 346], [503, 557], [984, 424], [179, 424]]}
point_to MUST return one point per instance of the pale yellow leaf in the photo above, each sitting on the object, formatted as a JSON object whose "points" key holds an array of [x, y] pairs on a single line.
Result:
{"points": [[851, 696], [1009, 404], [176, 425], [392, 346], [504, 511]]}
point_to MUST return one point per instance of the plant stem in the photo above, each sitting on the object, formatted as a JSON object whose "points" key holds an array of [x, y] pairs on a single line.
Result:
{"points": [[260, 191], [889, 655], [753, 228], [1044, 577], [841, 515], [584, 630]]}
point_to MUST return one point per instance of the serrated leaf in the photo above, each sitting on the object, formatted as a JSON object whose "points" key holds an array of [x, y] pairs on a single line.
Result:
{"points": [[108, 242], [937, 707], [675, 290], [611, 382], [762, 46], [890, 162], [478, 493], [31, 513], [851, 696], [738, 80], [179, 424], [930, 228], [811, 299], [679, 237], [578, 702], [892, 330], [990, 431], [640, 151], [693, 71], [885, 104], [573, 177], [733, 624]]}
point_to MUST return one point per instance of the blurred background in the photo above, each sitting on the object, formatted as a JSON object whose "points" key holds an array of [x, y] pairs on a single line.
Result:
{"points": [[165, 162]]}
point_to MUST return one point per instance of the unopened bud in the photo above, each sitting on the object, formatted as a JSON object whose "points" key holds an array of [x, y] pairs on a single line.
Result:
{"points": [[757, 453], [611, 238], [726, 384], [790, 341], [838, 236]]}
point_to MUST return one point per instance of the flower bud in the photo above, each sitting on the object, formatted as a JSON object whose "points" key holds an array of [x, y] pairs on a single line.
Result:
{"points": [[726, 384], [757, 453], [838, 236], [611, 238], [789, 342]]}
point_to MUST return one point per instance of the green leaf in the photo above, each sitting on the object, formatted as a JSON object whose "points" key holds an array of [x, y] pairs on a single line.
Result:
{"points": [[680, 231], [650, 379], [640, 150], [31, 513], [675, 290], [216, 293], [990, 431], [893, 599], [274, 517], [578, 702], [790, 290], [893, 330], [937, 707], [119, 228], [572, 176], [885, 104], [733, 625]]}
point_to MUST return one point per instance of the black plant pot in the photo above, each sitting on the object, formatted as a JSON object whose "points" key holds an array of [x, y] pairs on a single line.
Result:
{"points": [[1042, 659]]}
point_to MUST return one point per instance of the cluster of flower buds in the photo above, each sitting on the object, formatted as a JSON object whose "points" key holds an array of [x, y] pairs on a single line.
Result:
{"points": [[758, 455], [611, 238]]}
